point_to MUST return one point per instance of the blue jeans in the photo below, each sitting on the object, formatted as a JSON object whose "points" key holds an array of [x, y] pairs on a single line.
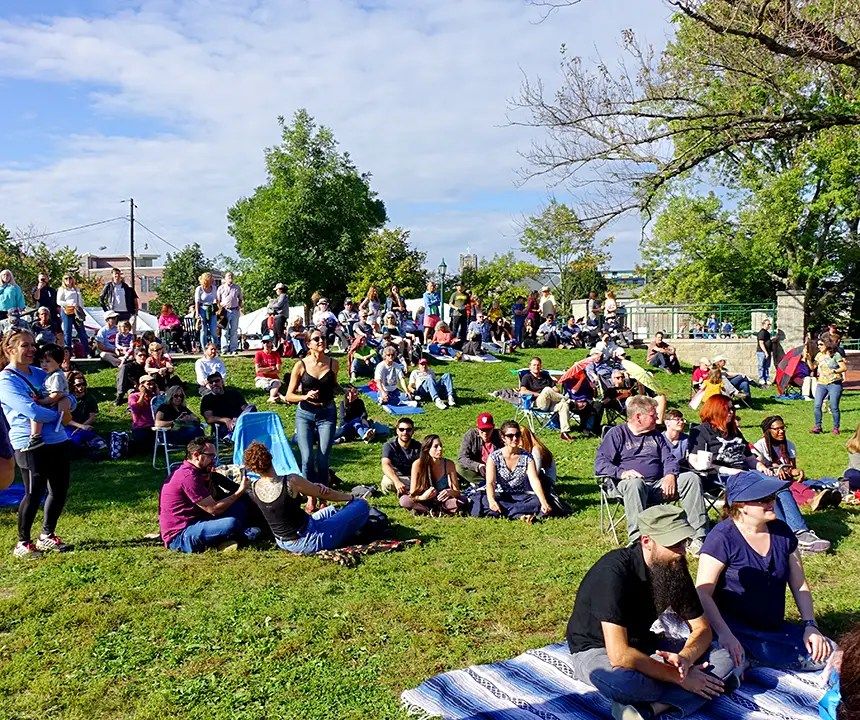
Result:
{"points": [[208, 328], [519, 324], [832, 391], [329, 528], [781, 649], [741, 383], [786, 510], [763, 363], [631, 686], [357, 427], [74, 323], [431, 388], [309, 425], [362, 368], [205, 534], [230, 334]]}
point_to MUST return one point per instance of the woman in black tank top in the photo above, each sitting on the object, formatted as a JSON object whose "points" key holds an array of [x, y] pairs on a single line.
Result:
{"points": [[313, 384]]}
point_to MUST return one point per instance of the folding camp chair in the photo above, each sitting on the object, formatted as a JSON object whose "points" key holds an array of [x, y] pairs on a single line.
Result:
{"points": [[266, 428], [162, 439], [528, 413], [612, 514]]}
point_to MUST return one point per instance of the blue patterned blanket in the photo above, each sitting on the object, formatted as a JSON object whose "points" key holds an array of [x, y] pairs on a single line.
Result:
{"points": [[539, 685]]}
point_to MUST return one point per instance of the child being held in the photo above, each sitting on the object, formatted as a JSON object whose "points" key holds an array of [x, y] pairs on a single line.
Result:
{"points": [[55, 391], [124, 339]]}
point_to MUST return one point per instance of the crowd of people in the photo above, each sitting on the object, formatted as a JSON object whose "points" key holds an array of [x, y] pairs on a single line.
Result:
{"points": [[734, 611]]}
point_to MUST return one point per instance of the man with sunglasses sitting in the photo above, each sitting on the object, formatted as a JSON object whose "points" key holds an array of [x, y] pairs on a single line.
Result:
{"points": [[398, 454]]}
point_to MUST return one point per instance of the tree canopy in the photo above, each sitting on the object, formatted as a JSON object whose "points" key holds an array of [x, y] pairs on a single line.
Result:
{"points": [[26, 257], [501, 277], [308, 224], [181, 272], [389, 259]]}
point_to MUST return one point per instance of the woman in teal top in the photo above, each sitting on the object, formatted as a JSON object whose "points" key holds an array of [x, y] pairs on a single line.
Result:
{"points": [[11, 297]]}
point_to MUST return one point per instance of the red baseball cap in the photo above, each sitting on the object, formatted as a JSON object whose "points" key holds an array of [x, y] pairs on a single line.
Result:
{"points": [[485, 422], [422, 361]]}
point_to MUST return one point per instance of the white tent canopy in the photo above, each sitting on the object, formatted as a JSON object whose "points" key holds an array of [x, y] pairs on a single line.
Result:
{"points": [[249, 324], [95, 319]]}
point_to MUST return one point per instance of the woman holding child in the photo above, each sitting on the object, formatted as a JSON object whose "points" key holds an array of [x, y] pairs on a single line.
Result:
{"points": [[45, 467]]}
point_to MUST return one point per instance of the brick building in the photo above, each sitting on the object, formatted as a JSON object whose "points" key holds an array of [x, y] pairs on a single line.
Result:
{"points": [[147, 274]]}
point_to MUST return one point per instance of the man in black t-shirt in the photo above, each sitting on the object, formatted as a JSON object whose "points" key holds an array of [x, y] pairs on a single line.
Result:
{"points": [[764, 352], [222, 405], [398, 454], [538, 383], [610, 634]]}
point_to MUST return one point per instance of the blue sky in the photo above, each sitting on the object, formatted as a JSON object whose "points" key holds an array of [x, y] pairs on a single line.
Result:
{"points": [[172, 102]]}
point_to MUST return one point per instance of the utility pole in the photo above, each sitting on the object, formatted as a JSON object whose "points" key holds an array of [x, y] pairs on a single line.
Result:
{"points": [[131, 238]]}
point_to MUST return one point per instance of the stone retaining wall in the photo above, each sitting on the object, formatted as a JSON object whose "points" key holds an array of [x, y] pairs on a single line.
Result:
{"points": [[740, 353]]}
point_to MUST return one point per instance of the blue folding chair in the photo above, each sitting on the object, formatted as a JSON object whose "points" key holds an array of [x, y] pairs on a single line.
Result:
{"points": [[266, 428], [527, 413]]}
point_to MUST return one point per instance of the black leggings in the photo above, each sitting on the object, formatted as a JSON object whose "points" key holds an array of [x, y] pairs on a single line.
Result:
{"points": [[46, 467]]}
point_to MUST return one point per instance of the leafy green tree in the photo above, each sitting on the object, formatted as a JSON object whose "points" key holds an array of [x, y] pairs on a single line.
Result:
{"points": [[501, 278], [308, 224], [388, 259], [181, 272], [27, 256], [558, 239], [584, 277]]}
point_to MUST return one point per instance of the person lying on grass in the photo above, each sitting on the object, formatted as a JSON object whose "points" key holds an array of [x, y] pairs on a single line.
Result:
{"points": [[281, 499]]}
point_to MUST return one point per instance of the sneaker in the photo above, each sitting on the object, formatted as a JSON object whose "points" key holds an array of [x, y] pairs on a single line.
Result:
{"points": [[369, 435], [35, 442], [458, 356], [26, 550], [815, 430], [695, 547], [51, 543], [808, 541], [451, 401], [834, 431], [631, 712], [440, 403], [227, 546]]}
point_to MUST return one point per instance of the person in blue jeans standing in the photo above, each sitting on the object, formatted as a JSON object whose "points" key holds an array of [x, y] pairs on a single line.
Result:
{"points": [[190, 518], [764, 352], [313, 384], [830, 367], [280, 500], [205, 301], [746, 563]]}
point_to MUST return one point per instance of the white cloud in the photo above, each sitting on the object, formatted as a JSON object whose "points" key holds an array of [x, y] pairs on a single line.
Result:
{"points": [[415, 91]]}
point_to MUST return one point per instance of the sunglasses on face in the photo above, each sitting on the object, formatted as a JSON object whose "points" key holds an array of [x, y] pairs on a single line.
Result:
{"points": [[405, 429], [318, 338], [779, 428], [512, 436]]}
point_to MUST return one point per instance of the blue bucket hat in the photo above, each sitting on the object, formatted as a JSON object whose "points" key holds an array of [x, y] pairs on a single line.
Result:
{"points": [[751, 485]]}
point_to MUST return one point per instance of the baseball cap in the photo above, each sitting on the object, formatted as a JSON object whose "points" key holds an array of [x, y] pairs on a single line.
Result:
{"points": [[267, 337], [719, 358], [545, 288], [422, 361], [665, 524], [750, 485], [280, 286], [111, 314], [146, 378], [485, 422]]}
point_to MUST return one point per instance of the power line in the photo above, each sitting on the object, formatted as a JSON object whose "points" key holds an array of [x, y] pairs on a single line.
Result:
{"points": [[79, 227], [152, 232]]}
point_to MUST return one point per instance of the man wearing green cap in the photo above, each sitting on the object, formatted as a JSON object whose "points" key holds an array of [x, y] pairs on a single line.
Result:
{"points": [[610, 632]]}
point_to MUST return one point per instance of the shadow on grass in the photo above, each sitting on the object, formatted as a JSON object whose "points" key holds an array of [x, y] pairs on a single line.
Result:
{"points": [[117, 544], [831, 524], [834, 623]]}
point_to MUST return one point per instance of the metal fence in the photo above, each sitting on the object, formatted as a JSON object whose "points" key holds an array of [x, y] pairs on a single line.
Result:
{"points": [[685, 321]]}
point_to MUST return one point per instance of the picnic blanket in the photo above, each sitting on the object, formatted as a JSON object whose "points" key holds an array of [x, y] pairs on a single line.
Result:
{"points": [[11, 496], [350, 556], [410, 407], [486, 358], [539, 685]]}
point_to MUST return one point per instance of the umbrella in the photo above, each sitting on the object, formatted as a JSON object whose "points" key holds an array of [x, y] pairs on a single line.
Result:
{"points": [[787, 370]]}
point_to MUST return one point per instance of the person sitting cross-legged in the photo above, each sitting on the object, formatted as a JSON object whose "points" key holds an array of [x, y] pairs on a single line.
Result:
{"points": [[475, 448], [280, 499], [640, 460], [434, 488], [222, 405], [398, 454], [746, 564], [538, 383], [190, 517], [390, 378], [424, 383], [611, 635]]}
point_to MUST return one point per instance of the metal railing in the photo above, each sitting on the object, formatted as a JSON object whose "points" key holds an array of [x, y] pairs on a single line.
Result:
{"points": [[708, 321]]}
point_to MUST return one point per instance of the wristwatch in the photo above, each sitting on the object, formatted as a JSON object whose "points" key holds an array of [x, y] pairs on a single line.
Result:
{"points": [[810, 623]]}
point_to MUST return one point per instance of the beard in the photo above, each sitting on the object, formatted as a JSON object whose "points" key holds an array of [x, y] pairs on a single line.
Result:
{"points": [[669, 581]]}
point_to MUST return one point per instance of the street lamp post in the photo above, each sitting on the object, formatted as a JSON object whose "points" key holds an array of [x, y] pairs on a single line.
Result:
{"points": [[443, 268]]}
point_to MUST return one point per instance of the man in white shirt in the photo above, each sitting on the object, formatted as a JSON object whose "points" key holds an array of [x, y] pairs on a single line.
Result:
{"points": [[230, 300], [106, 339], [390, 378], [208, 364], [423, 383]]}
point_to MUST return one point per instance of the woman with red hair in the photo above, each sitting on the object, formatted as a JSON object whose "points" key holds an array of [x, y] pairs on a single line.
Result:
{"points": [[730, 453]]}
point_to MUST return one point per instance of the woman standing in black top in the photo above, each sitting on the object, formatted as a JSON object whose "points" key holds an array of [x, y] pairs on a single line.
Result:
{"points": [[313, 384]]}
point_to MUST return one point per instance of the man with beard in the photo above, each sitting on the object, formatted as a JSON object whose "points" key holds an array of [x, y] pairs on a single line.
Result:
{"points": [[610, 634]]}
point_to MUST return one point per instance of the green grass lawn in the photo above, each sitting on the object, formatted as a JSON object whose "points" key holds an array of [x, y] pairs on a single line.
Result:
{"points": [[121, 628]]}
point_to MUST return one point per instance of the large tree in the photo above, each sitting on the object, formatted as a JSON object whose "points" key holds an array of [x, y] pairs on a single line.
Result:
{"points": [[759, 96], [26, 255], [560, 241], [388, 259], [307, 225], [502, 277], [181, 272]]}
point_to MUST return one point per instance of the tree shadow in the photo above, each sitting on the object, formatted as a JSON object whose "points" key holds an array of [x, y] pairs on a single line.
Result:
{"points": [[830, 524]]}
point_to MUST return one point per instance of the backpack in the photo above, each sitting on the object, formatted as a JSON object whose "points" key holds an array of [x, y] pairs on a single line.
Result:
{"points": [[118, 445]]}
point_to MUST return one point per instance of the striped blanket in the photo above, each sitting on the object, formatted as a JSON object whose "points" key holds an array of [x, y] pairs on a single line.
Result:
{"points": [[539, 685]]}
